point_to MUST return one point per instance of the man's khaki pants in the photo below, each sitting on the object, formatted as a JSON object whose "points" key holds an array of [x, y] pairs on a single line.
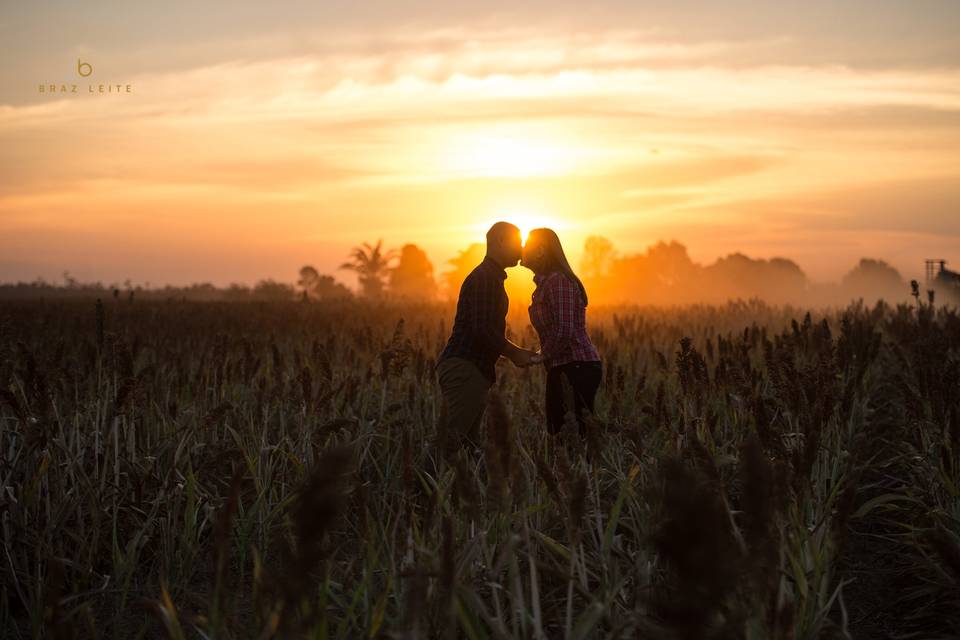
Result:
{"points": [[464, 397]]}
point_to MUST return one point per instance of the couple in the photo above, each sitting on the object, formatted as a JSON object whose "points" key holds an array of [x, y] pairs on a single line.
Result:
{"points": [[466, 367]]}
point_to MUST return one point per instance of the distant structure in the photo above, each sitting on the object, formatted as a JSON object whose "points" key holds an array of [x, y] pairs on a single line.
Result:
{"points": [[941, 279]]}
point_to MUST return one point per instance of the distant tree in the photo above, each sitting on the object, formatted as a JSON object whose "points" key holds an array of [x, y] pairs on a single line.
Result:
{"points": [[776, 280], [371, 265], [308, 277], [462, 265], [413, 275], [197, 291], [671, 264], [874, 279], [663, 274], [598, 255], [270, 290], [235, 292], [321, 286]]}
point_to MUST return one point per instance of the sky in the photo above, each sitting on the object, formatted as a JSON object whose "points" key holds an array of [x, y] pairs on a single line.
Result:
{"points": [[257, 138]]}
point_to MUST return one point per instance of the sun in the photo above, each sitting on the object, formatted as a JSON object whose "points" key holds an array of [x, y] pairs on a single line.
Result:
{"points": [[507, 156]]}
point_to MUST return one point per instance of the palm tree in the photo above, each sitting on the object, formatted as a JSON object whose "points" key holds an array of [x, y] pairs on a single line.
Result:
{"points": [[371, 264]]}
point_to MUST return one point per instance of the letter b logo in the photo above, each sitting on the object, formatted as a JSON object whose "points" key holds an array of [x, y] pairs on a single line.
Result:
{"points": [[80, 68]]}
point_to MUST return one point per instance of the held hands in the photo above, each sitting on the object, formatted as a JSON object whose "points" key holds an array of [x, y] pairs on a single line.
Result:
{"points": [[525, 357]]}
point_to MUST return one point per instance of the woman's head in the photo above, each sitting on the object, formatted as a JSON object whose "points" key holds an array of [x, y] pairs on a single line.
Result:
{"points": [[543, 253]]}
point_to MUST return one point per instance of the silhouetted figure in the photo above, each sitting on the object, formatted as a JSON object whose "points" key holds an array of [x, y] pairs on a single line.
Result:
{"points": [[558, 313]]}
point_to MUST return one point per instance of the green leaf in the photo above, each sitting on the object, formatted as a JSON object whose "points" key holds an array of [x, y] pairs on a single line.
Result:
{"points": [[886, 498], [553, 545], [614, 518], [380, 608], [588, 620]]}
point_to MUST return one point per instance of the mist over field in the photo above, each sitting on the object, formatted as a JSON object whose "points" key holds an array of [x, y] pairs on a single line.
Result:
{"points": [[663, 275]]}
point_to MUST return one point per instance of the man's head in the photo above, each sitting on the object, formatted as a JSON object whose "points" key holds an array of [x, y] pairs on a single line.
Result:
{"points": [[504, 244]]}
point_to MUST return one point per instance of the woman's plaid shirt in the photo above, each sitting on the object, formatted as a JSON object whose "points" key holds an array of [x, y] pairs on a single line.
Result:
{"points": [[559, 315]]}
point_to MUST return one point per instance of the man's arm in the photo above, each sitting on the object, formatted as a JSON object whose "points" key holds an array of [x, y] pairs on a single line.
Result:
{"points": [[483, 293]]}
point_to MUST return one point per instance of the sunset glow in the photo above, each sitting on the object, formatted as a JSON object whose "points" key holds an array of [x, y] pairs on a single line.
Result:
{"points": [[479, 155], [526, 220], [248, 149]]}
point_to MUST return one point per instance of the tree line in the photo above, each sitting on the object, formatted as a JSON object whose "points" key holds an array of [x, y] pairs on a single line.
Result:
{"points": [[663, 274]]}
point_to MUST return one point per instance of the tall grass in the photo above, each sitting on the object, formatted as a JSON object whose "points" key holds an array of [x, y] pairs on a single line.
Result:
{"points": [[217, 470]]}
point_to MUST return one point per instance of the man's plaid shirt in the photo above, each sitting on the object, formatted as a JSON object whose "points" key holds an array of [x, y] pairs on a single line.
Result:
{"points": [[480, 325], [559, 315]]}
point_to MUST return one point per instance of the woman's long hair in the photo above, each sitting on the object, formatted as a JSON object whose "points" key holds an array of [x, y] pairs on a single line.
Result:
{"points": [[555, 258]]}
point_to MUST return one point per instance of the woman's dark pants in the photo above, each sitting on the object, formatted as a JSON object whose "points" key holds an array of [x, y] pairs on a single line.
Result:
{"points": [[584, 379]]}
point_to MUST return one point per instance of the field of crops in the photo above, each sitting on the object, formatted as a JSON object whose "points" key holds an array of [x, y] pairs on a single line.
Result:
{"points": [[254, 470]]}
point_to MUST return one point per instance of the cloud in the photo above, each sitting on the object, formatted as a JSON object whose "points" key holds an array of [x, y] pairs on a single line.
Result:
{"points": [[694, 173], [656, 134]]}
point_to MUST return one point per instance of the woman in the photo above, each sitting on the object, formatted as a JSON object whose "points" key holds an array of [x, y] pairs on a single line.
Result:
{"points": [[558, 313]]}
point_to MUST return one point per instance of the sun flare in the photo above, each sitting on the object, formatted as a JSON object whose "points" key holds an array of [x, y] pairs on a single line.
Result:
{"points": [[526, 220]]}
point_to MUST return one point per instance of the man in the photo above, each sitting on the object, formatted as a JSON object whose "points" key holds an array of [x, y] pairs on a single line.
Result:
{"points": [[466, 369]]}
